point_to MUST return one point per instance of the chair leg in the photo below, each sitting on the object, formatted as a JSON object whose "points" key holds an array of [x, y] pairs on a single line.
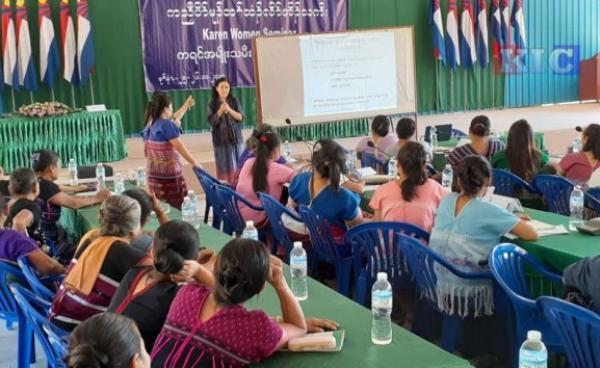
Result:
{"points": [[343, 271], [360, 295], [451, 326], [206, 213]]}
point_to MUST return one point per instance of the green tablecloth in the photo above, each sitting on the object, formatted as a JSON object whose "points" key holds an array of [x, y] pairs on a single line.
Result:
{"points": [[406, 350], [88, 137]]}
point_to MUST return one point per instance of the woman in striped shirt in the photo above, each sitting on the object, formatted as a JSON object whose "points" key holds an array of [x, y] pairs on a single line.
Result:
{"points": [[481, 144]]}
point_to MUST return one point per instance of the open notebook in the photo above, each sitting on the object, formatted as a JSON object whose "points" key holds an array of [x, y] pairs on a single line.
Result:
{"points": [[321, 342]]}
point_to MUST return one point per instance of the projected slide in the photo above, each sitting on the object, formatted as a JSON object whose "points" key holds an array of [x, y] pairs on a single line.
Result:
{"points": [[344, 73]]}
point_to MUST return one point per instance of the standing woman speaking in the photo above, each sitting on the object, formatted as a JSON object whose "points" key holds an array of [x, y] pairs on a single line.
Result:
{"points": [[163, 146], [225, 117]]}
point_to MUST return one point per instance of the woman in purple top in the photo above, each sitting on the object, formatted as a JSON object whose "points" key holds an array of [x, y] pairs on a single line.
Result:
{"points": [[14, 244], [380, 136], [481, 144], [207, 327]]}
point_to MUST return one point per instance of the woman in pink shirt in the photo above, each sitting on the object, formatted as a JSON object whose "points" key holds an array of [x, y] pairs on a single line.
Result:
{"points": [[580, 166], [263, 174], [412, 198]]}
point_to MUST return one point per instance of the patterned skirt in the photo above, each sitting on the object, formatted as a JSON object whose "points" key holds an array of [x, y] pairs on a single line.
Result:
{"points": [[226, 160], [165, 173]]}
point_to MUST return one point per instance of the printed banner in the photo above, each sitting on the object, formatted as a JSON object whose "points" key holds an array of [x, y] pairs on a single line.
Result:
{"points": [[188, 44]]}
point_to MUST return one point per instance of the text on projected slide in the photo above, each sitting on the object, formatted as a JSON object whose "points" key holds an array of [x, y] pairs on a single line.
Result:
{"points": [[348, 73]]}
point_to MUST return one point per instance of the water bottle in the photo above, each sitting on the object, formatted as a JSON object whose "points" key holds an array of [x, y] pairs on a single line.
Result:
{"points": [[287, 149], [381, 306], [298, 267], [100, 176], [119, 185], [576, 204], [576, 145], [393, 169], [187, 211], [351, 161], [250, 231], [433, 138], [195, 202], [447, 177], [533, 352], [140, 178], [73, 179]]}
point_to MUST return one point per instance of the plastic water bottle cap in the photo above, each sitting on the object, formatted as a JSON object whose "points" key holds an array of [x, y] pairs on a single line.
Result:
{"points": [[534, 335], [382, 276], [249, 223], [297, 244]]}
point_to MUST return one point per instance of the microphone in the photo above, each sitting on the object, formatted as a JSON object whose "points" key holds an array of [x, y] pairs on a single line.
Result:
{"points": [[288, 121], [579, 129], [372, 145]]}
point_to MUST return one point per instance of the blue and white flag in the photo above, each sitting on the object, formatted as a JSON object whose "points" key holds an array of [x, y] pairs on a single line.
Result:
{"points": [[468, 48], [452, 42], [49, 57], [9, 47], [435, 20], [518, 23], [482, 34], [86, 55], [25, 63]]}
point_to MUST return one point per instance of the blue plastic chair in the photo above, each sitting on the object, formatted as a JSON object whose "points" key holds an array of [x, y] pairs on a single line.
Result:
{"points": [[275, 212], [231, 212], [325, 249], [370, 160], [592, 197], [376, 249], [556, 191], [508, 263], [208, 183], [8, 306], [423, 263], [577, 328], [40, 286], [34, 310], [457, 133], [507, 184]]}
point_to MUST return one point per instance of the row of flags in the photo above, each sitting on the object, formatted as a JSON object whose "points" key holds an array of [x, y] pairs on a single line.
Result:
{"points": [[77, 52], [466, 42]]}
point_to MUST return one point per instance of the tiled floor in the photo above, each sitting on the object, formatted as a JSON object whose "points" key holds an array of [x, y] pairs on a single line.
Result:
{"points": [[8, 349]]}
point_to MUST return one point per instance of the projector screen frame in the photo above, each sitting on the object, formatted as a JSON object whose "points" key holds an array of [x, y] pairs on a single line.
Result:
{"points": [[255, 60]]}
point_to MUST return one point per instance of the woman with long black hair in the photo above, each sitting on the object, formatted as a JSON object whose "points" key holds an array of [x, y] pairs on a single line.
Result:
{"points": [[225, 116], [163, 147]]}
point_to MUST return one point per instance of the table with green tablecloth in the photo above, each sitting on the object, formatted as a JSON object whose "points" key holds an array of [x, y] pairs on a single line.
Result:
{"points": [[89, 137], [406, 350]]}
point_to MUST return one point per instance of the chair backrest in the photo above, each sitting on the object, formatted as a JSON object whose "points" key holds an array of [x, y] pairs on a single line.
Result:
{"points": [[424, 263], [208, 183], [378, 242], [320, 233], [369, 160], [592, 197], [577, 328], [8, 306], [230, 201], [35, 310], [32, 279], [507, 183], [457, 133], [556, 191], [275, 212]]}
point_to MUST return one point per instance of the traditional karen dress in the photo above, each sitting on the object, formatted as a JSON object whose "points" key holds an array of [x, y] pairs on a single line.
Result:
{"points": [[163, 164], [226, 138]]}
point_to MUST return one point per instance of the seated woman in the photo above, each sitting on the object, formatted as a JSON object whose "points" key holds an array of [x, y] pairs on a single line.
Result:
{"points": [[13, 244], [263, 174], [581, 283], [405, 130], [578, 167], [412, 198], [148, 203], [107, 340], [212, 327], [52, 198], [521, 156], [24, 189], [380, 136], [146, 292], [481, 144], [466, 229], [320, 189], [101, 261]]}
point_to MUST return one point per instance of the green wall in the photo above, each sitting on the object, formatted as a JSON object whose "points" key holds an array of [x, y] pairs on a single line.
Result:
{"points": [[119, 78]]}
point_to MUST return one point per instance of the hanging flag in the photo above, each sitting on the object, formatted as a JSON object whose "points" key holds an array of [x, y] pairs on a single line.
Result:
{"points": [[25, 63], [49, 59], [505, 23], [496, 25], [452, 43], [435, 20], [9, 47], [69, 46], [86, 55], [482, 35], [518, 23], [468, 48]]}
